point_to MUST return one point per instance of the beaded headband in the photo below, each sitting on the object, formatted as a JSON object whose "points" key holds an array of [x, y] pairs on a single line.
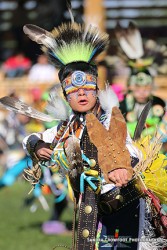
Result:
{"points": [[141, 79], [79, 79]]}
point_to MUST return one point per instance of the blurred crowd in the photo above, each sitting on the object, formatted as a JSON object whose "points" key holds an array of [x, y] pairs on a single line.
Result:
{"points": [[13, 161], [14, 127], [18, 65]]}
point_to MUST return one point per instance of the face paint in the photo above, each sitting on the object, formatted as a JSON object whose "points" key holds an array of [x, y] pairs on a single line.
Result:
{"points": [[81, 91], [76, 94], [78, 80]]}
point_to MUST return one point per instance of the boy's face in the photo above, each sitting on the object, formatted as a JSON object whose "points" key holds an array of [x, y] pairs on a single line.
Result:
{"points": [[141, 86], [142, 93], [81, 91]]}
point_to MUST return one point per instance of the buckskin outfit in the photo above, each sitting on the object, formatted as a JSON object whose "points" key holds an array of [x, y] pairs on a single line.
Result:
{"points": [[89, 145]]}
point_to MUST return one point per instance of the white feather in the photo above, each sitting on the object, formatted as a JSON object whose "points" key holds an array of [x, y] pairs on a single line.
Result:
{"points": [[108, 99], [132, 44], [148, 239], [49, 42], [57, 106], [147, 243], [14, 104]]}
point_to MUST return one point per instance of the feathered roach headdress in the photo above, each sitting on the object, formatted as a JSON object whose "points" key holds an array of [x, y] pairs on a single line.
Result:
{"points": [[130, 41], [70, 46]]}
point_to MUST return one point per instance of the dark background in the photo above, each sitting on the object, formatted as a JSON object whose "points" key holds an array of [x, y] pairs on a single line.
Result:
{"points": [[149, 15]]}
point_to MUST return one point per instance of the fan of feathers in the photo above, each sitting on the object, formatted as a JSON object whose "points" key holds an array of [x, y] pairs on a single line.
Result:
{"points": [[139, 53]]}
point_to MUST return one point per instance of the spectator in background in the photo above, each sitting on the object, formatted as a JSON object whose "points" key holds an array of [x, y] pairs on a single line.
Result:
{"points": [[16, 65], [140, 91], [42, 71]]}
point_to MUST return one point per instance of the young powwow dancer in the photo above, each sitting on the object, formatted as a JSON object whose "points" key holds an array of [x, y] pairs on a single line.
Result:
{"points": [[92, 148]]}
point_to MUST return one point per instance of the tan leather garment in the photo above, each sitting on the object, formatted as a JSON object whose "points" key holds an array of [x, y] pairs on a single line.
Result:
{"points": [[111, 144]]}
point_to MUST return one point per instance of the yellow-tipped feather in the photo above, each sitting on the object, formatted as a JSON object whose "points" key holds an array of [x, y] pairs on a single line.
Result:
{"points": [[152, 166]]}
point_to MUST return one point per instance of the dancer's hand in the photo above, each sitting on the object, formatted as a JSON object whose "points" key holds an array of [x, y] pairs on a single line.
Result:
{"points": [[43, 151], [119, 177]]}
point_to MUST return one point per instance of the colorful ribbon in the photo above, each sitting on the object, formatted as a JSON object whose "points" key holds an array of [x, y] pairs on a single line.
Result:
{"points": [[89, 176]]}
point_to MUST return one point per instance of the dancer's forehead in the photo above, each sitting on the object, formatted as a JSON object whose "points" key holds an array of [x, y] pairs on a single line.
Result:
{"points": [[141, 79]]}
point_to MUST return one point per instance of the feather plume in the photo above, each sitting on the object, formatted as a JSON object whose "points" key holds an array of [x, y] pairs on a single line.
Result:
{"points": [[69, 42], [74, 156], [148, 236], [130, 40], [14, 104], [57, 105], [69, 7], [39, 35], [73, 43], [108, 99], [152, 166], [73, 151], [150, 149], [142, 120], [155, 243]]}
